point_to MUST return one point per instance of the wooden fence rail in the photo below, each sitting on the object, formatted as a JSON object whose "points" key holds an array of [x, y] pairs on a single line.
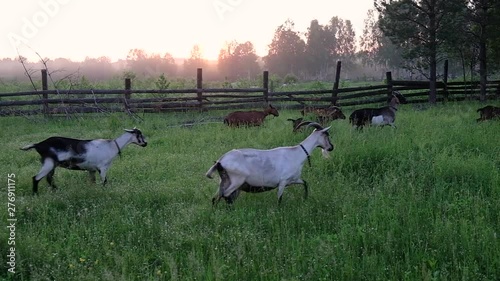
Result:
{"points": [[199, 98]]}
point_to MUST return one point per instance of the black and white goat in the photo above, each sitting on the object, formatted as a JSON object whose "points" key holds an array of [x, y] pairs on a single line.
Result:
{"points": [[74, 154], [375, 116], [255, 170]]}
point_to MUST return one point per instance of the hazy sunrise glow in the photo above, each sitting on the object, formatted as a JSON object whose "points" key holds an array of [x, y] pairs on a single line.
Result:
{"points": [[77, 29]]}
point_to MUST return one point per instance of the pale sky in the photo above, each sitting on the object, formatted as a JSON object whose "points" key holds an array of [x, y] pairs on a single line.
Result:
{"points": [[76, 29]]}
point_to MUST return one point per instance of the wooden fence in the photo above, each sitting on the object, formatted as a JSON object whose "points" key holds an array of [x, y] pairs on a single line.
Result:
{"points": [[137, 101]]}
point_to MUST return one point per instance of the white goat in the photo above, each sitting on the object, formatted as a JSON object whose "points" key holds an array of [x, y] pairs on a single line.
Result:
{"points": [[255, 170], [74, 154]]}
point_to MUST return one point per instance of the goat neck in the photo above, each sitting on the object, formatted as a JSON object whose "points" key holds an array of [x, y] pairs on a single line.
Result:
{"points": [[309, 144], [394, 103], [123, 141], [267, 111]]}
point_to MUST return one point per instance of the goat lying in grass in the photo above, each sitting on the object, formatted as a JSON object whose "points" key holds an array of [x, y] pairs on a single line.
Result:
{"points": [[295, 123], [255, 170], [488, 112], [74, 154], [249, 118], [375, 116], [324, 115]]}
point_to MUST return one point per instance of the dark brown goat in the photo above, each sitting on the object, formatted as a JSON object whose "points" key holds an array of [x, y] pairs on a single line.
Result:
{"points": [[249, 118], [488, 112]]}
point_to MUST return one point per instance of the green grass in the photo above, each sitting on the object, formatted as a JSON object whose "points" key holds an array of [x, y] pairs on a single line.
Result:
{"points": [[420, 202]]}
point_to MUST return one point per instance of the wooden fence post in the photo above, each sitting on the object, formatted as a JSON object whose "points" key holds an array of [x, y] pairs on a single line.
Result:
{"points": [[265, 85], [445, 82], [127, 94], [336, 84], [199, 87], [45, 96], [388, 77]]}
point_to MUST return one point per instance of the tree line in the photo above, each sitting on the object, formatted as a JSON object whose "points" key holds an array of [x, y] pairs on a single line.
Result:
{"points": [[408, 37]]}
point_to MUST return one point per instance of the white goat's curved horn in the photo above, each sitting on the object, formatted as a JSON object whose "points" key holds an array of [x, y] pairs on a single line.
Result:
{"points": [[315, 125], [310, 124]]}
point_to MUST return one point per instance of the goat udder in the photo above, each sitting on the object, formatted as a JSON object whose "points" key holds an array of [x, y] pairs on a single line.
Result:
{"points": [[378, 120]]}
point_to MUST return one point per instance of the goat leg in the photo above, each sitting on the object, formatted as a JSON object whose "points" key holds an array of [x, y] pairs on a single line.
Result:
{"points": [[92, 176], [50, 180], [35, 185]]}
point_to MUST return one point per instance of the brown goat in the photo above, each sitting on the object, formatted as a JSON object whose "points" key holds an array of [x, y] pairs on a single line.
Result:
{"points": [[488, 112], [325, 114], [249, 118]]}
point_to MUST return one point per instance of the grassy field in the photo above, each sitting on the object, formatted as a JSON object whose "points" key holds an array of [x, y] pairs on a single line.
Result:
{"points": [[420, 202]]}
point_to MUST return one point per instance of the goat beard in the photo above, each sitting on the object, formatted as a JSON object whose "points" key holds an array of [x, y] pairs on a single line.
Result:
{"points": [[325, 153]]}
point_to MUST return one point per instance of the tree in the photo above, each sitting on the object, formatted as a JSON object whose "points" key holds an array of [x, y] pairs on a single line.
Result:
{"points": [[150, 64], [369, 42], [376, 49], [418, 27], [238, 60], [286, 51], [479, 14], [97, 68], [194, 61], [346, 40], [317, 57], [493, 47]]}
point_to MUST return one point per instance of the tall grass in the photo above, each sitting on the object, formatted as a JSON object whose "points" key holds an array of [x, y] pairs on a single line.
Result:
{"points": [[420, 202]]}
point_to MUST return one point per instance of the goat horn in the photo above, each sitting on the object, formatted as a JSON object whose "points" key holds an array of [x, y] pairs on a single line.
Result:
{"points": [[310, 124]]}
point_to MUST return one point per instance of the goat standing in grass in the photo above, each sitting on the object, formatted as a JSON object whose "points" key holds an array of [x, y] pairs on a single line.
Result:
{"points": [[488, 112], [375, 116], [249, 118], [256, 170], [74, 154]]}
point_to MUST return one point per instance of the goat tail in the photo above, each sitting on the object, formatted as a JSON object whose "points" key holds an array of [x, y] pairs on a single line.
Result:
{"points": [[217, 166], [28, 147]]}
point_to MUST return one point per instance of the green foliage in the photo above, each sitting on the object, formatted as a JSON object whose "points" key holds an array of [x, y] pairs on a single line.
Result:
{"points": [[84, 84], [419, 202], [290, 79], [162, 83], [128, 74]]}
